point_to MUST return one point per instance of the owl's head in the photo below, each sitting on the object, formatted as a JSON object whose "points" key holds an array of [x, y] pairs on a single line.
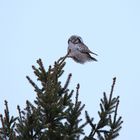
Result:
{"points": [[75, 39]]}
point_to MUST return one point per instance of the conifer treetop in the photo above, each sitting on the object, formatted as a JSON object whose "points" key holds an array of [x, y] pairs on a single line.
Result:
{"points": [[54, 115]]}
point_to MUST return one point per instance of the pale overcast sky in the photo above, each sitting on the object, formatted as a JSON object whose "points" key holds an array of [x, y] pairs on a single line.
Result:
{"points": [[33, 29]]}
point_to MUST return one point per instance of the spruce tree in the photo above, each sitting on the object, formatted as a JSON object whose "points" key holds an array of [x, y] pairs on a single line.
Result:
{"points": [[54, 115]]}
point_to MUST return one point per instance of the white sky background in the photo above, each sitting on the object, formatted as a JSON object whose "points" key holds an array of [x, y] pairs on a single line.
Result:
{"points": [[32, 29]]}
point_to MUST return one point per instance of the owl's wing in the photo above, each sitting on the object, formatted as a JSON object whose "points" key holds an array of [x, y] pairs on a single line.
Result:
{"points": [[84, 49]]}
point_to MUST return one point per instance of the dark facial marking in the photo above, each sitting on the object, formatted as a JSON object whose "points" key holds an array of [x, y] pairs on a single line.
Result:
{"points": [[75, 39]]}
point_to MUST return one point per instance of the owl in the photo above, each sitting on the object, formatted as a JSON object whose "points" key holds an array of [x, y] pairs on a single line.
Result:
{"points": [[78, 51]]}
